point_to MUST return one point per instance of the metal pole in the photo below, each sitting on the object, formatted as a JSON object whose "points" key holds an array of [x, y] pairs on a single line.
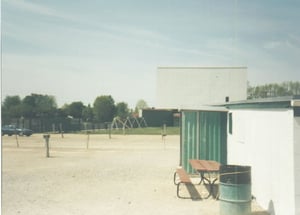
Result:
{"points": [[88, 139], [16, 135], [108, 126], [164, 134], [61, 130], [109, 130], [47, 137]]}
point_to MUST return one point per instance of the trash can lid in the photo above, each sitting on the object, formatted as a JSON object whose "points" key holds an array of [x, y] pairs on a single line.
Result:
{"points": [[235, 174]]}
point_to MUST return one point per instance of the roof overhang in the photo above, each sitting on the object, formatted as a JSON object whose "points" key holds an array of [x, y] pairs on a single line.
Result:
{"points": [[207, 108], [266, 103]]}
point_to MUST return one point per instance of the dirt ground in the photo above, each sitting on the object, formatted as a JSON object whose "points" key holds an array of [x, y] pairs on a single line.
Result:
{"points": [[127, 174]]}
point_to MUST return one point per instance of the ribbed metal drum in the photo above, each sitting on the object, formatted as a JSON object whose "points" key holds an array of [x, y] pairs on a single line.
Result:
{"points": [[235, 190]]}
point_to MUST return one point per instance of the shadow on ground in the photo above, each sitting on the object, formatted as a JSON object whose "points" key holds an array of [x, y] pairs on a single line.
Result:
{"points": [[200, 192], [260, 213], [195, 196]]}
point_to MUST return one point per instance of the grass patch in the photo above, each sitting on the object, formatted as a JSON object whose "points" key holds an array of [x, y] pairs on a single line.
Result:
{"points": [[138, 131]]}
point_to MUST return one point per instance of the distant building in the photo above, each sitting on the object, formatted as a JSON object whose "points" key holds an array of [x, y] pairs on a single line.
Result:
{"points": [[191, 87], [158, 117]]}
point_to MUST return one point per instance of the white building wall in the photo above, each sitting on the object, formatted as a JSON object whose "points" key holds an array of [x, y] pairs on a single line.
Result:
{"points": [[297, 162], [191, 87], [264, 139]]}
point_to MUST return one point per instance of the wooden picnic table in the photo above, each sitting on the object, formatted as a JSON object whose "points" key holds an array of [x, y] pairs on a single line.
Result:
{"points": [[206, 167]]}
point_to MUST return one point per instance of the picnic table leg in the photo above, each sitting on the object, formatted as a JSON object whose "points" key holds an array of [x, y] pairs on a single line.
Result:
{"points": [[208, 182], [174, 179], [178, 190], [212, 185]]}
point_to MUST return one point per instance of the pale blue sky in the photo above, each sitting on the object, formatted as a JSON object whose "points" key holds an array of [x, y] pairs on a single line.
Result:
{"points": [[78, 50]]}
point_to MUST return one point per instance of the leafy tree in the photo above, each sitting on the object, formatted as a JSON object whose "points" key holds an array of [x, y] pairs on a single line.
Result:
{"points": [[74, 109], [141, 104], [87, 114], [295, 87], [122, 110], [60, 113], [29, 107], [37, 105], [274, 90], [11, 101], [11, 107], [104, 108]]}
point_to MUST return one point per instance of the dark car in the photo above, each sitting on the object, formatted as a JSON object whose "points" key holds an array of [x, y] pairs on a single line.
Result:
{"points": [[12, 129], [9, 130], [24, 131]]}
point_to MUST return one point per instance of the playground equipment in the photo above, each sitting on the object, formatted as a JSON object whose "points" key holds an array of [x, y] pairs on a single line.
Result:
{"points": [[129, 122]]}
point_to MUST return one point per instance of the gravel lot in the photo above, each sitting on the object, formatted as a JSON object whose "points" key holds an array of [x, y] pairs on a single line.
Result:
{"points": [[127, 174]]}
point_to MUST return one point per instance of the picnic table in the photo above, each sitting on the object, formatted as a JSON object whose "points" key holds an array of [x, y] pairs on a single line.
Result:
{"points": [[206, 169]]}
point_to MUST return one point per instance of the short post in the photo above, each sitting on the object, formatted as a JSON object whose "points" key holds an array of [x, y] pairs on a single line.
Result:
{"points": [[108, 128], [61, 130], [164, 134], [16, 135], [47, 137], [88, 139]]}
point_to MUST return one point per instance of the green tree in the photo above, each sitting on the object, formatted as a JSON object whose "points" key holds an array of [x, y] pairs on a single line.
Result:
{"points": [[87, 114], [122, 110], [141, 104], [37, 105], [274, 90], [60, 113], [29, 107], [74, 109], [104, 108], [11, 108], [294, 88]]}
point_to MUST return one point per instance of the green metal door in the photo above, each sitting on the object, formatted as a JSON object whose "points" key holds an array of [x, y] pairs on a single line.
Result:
{"points": [[213, 136], [188, 138], [203, 136]]}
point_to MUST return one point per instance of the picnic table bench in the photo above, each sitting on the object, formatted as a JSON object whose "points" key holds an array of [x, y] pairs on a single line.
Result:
{"points": [[183, 179], [205, 168]]}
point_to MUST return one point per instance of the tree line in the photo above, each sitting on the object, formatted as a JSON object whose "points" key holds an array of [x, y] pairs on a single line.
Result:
{"points": [[41, 112], [274, 90]]}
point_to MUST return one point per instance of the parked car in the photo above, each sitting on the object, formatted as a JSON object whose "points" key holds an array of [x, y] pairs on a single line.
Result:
{"points": [[12, 129], [24, 131], [9, 130]]}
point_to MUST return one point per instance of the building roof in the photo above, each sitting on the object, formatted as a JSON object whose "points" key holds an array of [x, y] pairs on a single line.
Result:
{"points": [[208, 108], [276, 102], [202, 67], [265, 103]]}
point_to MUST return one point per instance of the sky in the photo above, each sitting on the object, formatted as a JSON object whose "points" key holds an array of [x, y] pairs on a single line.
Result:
{"points": [[78, 50]]}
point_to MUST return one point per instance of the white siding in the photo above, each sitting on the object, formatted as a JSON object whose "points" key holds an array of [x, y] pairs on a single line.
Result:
{"points": [[297, 162], [191, 87], [264, 140]]}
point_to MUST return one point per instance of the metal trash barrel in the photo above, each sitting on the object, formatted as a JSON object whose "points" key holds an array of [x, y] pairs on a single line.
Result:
{"points": [[235, 190]]}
